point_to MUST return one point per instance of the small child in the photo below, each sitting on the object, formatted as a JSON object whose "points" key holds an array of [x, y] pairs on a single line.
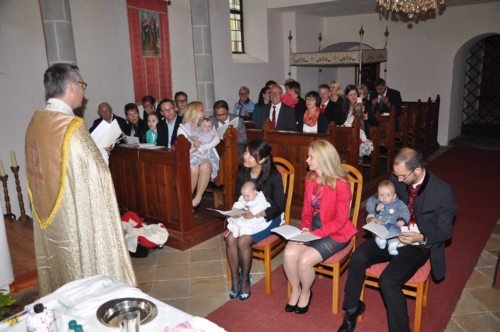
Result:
{"points": [[253, 201], [152, 133], [390, 211], [206, 135]]}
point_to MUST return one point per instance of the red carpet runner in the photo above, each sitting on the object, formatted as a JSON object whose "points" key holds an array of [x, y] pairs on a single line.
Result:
{"points": [[472, 174]]}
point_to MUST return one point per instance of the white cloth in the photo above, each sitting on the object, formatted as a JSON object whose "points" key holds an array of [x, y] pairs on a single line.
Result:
{"points": [[6, 273], [80, 300], [153, 233]]}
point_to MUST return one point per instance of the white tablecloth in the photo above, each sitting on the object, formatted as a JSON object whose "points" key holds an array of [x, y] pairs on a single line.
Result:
{"points": [[80, 299], [6, 274]]}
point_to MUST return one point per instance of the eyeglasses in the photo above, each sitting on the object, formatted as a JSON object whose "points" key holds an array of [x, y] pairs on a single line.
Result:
{"points": [[84, 85], [167, 109], [220, 115], [178, 101], [403, 177]]}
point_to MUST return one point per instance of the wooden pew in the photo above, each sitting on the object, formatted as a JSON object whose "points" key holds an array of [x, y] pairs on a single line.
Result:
{"points": [[293, 146], [431, 128], [157, 185]]}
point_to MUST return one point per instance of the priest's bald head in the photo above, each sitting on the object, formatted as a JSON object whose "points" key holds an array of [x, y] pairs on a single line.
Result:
{"points": [[63, 81]]}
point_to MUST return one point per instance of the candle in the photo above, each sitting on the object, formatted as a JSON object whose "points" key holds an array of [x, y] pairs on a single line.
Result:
{"points": [[13, 158], [2, 170]]}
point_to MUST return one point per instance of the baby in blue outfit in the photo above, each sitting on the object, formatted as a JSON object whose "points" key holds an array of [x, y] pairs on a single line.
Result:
{"points": [[389, 211]]}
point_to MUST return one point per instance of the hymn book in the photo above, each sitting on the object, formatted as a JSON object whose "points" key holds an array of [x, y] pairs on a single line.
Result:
{"points": [[230, 213], [105, 134], [294, 234], [222, 129], [380, 231]]}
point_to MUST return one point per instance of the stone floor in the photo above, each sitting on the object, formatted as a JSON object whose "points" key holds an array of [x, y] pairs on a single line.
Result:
{"points": [[195, 281]]}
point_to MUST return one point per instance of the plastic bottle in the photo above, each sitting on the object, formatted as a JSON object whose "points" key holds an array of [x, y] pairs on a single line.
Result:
{"points": [[40, 319]]}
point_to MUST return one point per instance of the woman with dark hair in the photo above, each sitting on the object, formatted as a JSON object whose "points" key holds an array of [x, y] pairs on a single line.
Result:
{"points": [[312, 120], [258, 168], [264, 99]]}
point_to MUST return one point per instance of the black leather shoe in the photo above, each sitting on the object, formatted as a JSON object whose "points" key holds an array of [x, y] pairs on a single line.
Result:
{"points": [[349, 322], [303, 310], [290, 308]]}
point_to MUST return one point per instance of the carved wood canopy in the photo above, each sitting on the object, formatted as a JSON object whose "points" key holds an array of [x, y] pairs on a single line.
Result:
{"points": [[343, 58]]}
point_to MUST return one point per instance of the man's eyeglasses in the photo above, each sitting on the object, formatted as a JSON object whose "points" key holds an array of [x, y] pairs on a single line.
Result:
{"points": [[403, 177], [84, 85], [178, 101], [220, 115]]}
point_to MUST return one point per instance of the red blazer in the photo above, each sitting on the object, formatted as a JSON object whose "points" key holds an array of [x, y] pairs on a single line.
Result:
{"points": [[334, 211]]}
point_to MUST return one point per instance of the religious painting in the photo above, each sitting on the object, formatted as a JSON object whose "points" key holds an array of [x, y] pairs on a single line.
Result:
{"points": [[150, 33], [369, 73], [149, 48]]}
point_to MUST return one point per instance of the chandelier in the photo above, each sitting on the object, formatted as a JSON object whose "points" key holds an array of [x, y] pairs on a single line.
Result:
{"points": [[410, 7]]}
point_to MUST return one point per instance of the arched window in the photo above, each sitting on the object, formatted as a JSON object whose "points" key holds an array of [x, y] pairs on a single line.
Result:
{"points": [[236, 24]]}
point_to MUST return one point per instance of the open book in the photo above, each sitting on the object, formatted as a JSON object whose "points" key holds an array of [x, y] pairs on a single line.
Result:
{"points": [[380, 230], [105, 134], [222, 129], [230, 213], [294, 234]]}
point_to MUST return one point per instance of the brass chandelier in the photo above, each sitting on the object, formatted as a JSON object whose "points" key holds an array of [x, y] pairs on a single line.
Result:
{"points": [[410, 7]]}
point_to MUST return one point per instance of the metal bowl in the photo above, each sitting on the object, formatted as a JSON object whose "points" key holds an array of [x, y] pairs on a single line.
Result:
{"points": [[112, 312]]}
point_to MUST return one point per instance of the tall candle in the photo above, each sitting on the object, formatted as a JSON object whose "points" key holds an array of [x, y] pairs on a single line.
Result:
{"points": [[2, 170], [13, 158]]}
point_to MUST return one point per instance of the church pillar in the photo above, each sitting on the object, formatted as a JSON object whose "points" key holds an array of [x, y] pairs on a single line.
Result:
{"points": [[200, 22], [58, 31]]}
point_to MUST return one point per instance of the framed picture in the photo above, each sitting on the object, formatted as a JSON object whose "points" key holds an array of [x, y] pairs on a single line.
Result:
{"points": [[369, 73], [150, 33]]}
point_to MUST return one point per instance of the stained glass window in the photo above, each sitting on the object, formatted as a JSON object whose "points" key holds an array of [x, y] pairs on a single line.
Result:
{"points": [[236, 26]]}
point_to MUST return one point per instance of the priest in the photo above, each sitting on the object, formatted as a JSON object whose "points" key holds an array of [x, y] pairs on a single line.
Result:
{"points": [[77, 231]]}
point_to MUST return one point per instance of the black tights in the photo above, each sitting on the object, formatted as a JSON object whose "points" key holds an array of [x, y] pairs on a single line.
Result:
{"points": [[239, 256]]}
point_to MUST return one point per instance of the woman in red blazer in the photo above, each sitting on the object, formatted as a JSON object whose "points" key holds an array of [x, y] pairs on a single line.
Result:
{"points": [[325, 214]]}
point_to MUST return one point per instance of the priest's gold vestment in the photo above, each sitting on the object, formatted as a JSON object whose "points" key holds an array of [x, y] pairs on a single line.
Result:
{"points": [[78, 230]]}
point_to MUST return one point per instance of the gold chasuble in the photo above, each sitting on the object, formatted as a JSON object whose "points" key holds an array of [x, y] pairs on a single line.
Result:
{"points": [[78, 231]]}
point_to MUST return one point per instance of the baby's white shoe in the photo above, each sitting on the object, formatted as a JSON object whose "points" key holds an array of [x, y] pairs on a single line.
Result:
{"points": [[380, 242]]}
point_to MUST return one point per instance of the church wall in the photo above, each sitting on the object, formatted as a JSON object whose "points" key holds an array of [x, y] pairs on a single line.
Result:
{"points": [[421, 55], [101, 35], [254, 69], [23, 60]]}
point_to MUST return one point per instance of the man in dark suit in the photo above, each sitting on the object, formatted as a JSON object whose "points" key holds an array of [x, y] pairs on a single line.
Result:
{"points": [[105, 113], [432, 207], [332, 110], [222, 117], [283, 116], [167, 127], [384, 98]]}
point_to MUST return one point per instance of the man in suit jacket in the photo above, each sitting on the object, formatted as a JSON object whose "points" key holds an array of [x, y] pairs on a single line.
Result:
{"points": [[221, 117], [105, 113], [167, 127], [284, 116], [332, 110], [384, 98], [433, 210]]}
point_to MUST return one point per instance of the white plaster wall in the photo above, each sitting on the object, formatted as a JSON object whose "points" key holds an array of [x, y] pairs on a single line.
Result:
{"points": [[306, 34], [24, 61], [101, 35], [228, 74], [181, 48], [421, 56]]}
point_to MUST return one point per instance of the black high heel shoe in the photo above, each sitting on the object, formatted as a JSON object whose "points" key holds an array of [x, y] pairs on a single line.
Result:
{"points": [[303, 310], [290, 308]]}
